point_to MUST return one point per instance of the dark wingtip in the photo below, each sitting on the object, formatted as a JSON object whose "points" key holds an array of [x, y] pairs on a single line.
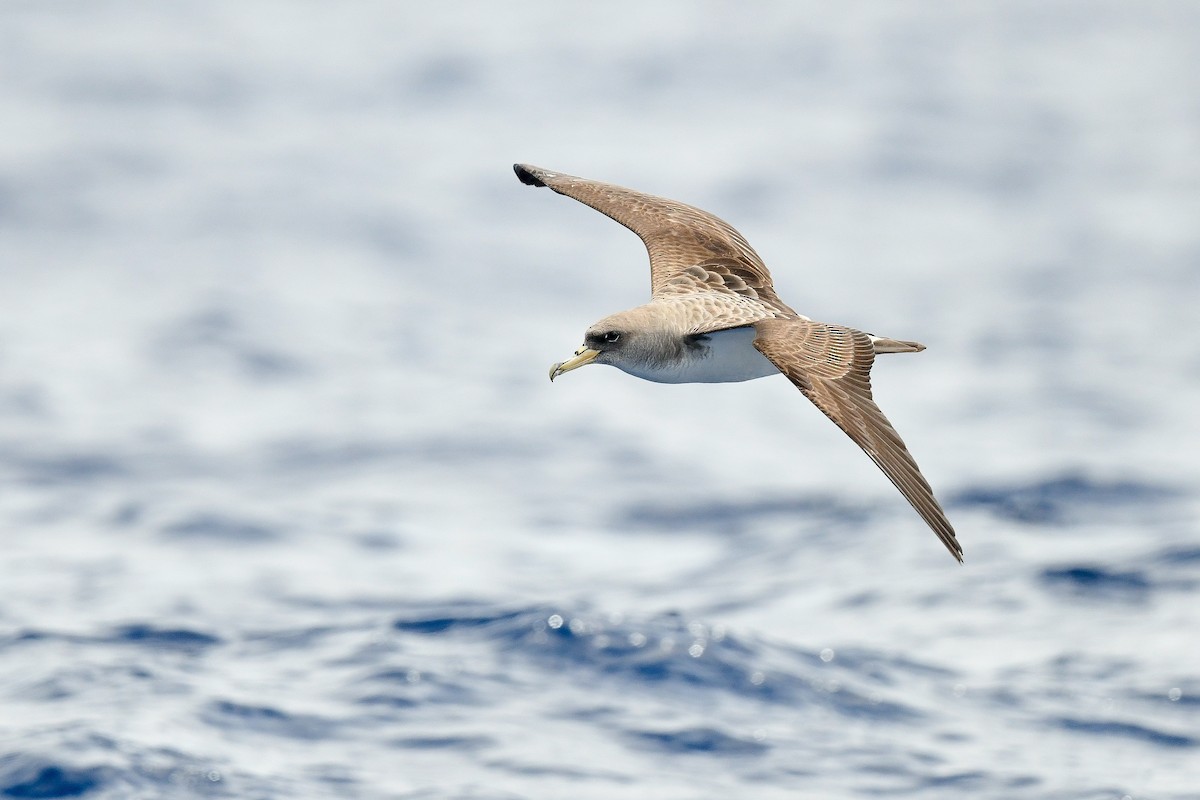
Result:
{"points": [[526, 176]]}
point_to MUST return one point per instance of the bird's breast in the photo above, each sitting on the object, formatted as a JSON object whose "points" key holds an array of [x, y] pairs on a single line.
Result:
{"points": [[720, 357]]}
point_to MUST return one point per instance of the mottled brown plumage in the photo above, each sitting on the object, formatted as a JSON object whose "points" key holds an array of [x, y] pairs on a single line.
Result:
{"points": [[831, 365], [709, 292]]}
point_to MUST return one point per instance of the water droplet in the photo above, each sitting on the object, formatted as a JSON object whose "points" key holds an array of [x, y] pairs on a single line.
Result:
{"points": [[637, 639], [757, 677], [1174, 694], [555, 621], [413, 676], [696, 650], [827, 655]]}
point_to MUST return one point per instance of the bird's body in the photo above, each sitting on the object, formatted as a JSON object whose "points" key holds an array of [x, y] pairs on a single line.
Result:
{"points": [[676, 354], [714, 317]]}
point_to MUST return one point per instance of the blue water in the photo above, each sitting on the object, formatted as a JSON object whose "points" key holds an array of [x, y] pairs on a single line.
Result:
{"points": [[289, 508]]}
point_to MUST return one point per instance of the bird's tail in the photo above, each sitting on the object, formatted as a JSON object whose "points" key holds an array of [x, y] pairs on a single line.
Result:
{"points": [[885, 345]]}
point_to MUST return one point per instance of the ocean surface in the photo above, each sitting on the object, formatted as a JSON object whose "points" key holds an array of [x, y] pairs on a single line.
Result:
{"points": [[288, 508]]}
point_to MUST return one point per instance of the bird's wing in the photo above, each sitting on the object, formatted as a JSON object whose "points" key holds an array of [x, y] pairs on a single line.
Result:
{"points": [[831, 365], [709, 311], [676, 235], [726, 276]]}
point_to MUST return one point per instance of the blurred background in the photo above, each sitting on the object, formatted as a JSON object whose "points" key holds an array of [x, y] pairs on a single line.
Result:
{"points": [[289, 509]]}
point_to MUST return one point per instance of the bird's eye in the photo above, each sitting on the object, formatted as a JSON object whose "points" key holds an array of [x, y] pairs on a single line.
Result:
{"points": [[611, 337]]}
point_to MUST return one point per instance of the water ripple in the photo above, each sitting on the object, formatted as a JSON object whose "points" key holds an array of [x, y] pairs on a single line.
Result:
{"points": [[1125, 730], [1063, 500], [179, 639], [51, 780], [233, 716], [1097, 582], [698, 740], [673, 655]]}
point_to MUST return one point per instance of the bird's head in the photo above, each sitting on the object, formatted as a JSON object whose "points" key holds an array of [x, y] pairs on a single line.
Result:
{"points": [[623, 340]]}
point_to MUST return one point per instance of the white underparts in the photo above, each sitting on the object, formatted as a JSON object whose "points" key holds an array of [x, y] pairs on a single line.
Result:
{"points": [[721, 357]]}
